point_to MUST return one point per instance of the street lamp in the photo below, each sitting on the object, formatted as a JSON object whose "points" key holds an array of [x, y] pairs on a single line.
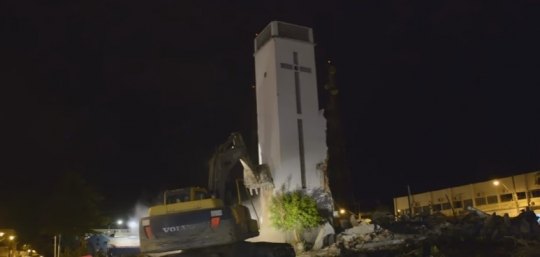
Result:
{"points": [[514, 194], [11, 238]]}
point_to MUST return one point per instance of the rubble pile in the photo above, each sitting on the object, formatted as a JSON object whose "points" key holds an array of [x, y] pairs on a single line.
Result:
{"points": [[368, 238], [481, 234], [473, 233]]}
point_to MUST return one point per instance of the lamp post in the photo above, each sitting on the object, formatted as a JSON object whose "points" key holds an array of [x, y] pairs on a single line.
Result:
{"points": [[514, 194], [11, 238]]}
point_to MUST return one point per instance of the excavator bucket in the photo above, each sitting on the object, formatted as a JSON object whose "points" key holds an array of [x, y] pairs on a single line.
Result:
{"points": [[255, 177], [254, 180]]}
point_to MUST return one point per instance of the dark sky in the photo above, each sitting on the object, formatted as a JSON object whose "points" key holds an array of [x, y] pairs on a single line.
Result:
{"points": [[136, 94]]}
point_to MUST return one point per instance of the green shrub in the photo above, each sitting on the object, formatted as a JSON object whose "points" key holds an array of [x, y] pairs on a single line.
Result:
{"points": [[294, 212]]}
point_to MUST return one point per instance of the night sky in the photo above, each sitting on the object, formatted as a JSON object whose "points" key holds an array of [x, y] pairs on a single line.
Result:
{"points": [[135, 95]]}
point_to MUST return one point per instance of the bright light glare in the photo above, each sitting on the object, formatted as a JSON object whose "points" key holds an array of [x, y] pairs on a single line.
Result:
{"points": [[132, 224], [496, 182], [11, 238], [342, 211], [119, 222], [1, 233]]}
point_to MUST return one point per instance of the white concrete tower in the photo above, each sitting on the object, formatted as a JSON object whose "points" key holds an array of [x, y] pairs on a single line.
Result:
{"points": [[291, 128]]}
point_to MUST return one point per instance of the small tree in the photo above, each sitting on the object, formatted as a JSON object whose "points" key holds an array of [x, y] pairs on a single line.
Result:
{"points": [[294, 212]]}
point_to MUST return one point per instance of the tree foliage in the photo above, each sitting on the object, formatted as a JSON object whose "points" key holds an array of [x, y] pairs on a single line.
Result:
{"points": [[72, 208], [295, 212]]}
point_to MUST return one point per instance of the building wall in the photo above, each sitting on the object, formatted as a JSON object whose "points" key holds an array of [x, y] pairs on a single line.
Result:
{"points": [[513, 194], [277, 115]]}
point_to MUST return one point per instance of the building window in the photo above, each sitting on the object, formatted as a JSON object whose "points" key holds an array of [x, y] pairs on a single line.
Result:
{"points": [[506, 198], [406, 211], [534, 193], [537, 179], [521, 195], [480, 201], [436, 207], [467, 203], [457, 204], [446, 206], [492, 199]]}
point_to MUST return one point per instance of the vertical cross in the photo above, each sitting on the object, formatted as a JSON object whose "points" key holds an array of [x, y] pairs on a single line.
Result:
{"points": [[297, 69], [301, 152]]}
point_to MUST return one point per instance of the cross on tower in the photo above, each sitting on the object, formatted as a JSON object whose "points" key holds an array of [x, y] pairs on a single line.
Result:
{"points": [[297, 69]]}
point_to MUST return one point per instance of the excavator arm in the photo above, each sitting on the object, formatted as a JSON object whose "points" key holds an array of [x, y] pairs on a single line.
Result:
{"points": [[225, 158]]}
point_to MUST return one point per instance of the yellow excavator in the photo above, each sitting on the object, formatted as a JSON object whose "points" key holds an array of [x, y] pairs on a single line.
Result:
{"points": [[197, 221]]}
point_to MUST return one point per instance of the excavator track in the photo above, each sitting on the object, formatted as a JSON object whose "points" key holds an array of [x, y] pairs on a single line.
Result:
{"points": [[242, 249]]}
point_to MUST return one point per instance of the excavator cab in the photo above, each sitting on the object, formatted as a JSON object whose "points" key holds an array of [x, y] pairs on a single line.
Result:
{"points": [[177, 196], [185, 195], [185, 200]]}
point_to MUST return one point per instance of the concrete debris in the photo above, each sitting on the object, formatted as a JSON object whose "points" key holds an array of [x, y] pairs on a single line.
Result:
{"points": [[360, 230], [324, 232], [472, 233]]}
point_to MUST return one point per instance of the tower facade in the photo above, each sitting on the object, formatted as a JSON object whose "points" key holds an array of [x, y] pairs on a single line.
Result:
{"points": [[291, 128]]}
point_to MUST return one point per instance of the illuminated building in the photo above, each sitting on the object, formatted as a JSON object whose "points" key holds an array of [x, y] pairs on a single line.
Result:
{"points": [[502, 195], [291, 127]]}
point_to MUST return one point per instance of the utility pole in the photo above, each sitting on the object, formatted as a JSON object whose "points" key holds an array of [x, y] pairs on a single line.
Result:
{"points": [[54, 246], [409, 200], [515, 195]]}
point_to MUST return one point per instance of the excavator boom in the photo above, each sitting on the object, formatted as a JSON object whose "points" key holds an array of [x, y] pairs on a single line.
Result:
{"points": [[226, 156]]}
